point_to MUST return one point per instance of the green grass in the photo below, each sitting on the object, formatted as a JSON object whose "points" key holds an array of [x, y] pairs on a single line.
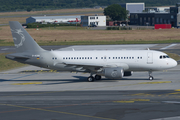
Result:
{"points": [[6, 64], [89, 42], [174, 56], [5, 43], [106, 42]]}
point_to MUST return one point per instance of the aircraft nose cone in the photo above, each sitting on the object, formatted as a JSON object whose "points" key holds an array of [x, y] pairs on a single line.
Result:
{"points": [[174, 63]]}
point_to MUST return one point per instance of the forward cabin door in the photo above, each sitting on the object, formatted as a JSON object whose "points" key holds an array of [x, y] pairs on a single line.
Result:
{"points": [[150, 58]]}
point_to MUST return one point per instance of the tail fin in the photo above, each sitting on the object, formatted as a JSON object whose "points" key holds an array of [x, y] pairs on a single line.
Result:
{"points": [[22, 40]]}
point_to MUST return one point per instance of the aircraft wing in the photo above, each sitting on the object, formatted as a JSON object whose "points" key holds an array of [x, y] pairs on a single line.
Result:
{"points": [[88, 67], [95, 67], [83, 64]]}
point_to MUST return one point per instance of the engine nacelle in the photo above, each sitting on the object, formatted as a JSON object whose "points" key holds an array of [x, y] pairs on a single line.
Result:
{"points": [[113, 73], [128, 73]]}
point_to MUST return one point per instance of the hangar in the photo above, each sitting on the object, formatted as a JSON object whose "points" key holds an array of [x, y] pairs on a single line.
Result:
{"points": [[52, 19]]}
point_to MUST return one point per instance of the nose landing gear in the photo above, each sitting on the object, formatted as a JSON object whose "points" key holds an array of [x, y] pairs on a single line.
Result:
{"points": [[150, 76]]}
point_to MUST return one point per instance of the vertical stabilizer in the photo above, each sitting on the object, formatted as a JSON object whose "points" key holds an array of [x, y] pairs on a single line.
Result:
{"points": [[22, 40]]}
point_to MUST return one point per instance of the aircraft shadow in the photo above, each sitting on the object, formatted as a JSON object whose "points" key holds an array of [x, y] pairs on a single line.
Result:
{"points": [[59, 81], [77, 79]]}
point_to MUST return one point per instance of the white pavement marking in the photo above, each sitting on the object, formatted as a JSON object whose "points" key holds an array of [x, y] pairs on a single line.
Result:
{"points": [[5, 49], [168, 46], [172, 102], [168, 118]]}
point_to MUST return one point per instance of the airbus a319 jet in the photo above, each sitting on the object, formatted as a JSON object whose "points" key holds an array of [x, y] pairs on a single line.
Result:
{"points": [[113, 64]]}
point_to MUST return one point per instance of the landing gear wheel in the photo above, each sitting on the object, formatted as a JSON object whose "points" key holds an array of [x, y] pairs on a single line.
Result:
{"points": [[151, 78], [97, 77], [90, 79]]}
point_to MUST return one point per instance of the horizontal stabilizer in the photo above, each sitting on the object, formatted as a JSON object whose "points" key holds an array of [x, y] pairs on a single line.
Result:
{"points": [[17, 55]]}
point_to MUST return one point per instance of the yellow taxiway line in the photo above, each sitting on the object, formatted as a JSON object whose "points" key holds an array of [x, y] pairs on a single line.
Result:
{"points": [[31, 83]]}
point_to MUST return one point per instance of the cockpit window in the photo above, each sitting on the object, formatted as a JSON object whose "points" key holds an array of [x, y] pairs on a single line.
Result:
{"points": [[164, 56]]}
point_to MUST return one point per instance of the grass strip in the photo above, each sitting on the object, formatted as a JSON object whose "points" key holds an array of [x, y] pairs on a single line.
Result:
{"points": [[173, 55], [52, 42], [6, 64], [105, 42]]}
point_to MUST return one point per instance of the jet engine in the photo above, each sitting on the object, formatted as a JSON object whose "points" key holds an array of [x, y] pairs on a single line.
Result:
{"points": [[113, 73]]}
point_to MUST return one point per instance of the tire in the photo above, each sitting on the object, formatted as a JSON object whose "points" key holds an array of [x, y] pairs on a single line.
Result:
{"points": [[90, 79], [97, 77], [151, 78]]}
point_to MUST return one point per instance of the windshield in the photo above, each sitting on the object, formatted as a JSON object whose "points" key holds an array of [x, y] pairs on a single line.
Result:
{"points": [[164, 56]]}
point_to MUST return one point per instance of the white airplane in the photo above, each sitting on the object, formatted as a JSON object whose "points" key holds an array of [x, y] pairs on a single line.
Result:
{"points": [[113, 64]]}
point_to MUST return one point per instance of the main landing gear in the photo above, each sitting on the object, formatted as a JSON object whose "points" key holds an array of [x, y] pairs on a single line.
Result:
{"points": [[150, 76], [91, 78]]}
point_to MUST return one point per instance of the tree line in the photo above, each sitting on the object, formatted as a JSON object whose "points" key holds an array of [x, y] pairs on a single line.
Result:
{"points": [[18, 5]]}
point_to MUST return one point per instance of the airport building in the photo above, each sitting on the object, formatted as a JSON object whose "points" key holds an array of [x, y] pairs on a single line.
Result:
{"points": [[93, 20], [150, 18], [133, 7], [52, 19]]}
